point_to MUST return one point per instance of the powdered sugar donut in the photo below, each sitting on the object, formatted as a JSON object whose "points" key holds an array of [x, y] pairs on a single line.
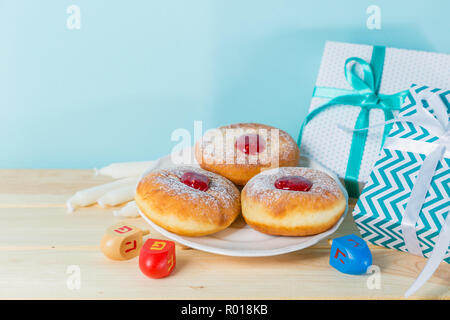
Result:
{"points": [[188, 201], [292, 201], [241, 151]]}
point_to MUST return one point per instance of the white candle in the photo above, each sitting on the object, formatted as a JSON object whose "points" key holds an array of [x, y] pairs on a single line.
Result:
{"points": [[129, 210], [92, 195], [126, 169], [117, 196]]}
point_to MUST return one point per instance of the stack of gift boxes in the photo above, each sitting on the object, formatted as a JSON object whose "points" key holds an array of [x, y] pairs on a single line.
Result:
{"points": [[383, 118]]}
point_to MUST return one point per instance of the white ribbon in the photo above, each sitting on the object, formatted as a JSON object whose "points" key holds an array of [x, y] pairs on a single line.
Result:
{"points": [[438, 254], [439, 126]]}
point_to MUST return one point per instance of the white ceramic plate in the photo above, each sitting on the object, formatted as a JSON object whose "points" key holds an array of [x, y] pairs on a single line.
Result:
{"points": [[242, 241]]}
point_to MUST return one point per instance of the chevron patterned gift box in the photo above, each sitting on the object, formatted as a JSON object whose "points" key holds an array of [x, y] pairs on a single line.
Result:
{"points": [[381, 207]]}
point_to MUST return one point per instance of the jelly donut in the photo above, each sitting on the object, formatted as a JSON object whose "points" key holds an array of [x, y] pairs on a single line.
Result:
{"points": [[292, 201], [188, 201], [240, 151]]}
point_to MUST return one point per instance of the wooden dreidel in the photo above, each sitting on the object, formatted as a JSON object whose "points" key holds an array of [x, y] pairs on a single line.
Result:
{"points": [[122, 241], [157, 258], [350, 254]]}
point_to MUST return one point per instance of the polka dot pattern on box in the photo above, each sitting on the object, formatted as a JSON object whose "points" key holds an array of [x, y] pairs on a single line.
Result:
{"points": [[323, 141]]}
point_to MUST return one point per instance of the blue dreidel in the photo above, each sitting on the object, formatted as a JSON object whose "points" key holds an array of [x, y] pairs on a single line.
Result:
{"points": [[350, 254]]}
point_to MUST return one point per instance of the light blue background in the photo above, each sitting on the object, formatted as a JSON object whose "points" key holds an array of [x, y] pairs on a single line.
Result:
{"points": [[116, 89]]}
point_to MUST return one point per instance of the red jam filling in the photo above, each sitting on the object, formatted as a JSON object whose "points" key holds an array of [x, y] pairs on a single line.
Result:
{"points": [[293, 183], [250, 144], [195, 180]]}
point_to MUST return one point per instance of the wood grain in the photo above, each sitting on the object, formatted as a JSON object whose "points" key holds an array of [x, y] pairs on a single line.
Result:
{"points": [[39, 240]]}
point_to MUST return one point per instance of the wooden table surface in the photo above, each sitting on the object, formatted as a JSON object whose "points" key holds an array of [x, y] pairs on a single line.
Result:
{"points": [[40, 240]]}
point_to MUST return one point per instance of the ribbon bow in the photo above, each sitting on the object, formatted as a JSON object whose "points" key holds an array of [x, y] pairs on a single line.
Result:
{"points": [[364, 95], [439, 126]]}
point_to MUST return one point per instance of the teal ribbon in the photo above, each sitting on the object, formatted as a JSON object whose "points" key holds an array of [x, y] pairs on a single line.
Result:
{"points": [[364, 95]]}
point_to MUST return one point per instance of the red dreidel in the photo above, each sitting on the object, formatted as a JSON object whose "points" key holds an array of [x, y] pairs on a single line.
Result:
{"points": [[157, 258], [122, 241]]}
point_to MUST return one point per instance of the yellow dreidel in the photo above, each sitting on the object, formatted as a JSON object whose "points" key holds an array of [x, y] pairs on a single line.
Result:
{"points": [[122, 241]]}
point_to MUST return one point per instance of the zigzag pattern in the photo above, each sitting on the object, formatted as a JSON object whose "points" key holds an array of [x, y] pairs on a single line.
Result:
{"points": [[409, 105], [445, 96], [434, 211], [380, 209], [406, 130]]}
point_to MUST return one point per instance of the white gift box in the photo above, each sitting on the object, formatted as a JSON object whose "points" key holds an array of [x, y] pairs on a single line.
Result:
{"points": [[323, 139]]}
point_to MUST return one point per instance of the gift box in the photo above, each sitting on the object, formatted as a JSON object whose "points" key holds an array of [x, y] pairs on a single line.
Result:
{"points": [[405, 203], [359, 85]]}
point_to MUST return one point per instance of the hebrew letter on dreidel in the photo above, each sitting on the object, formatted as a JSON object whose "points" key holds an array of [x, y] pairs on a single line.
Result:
{"points": [[122, 242], [123, 229], [134, 246], [350, 254], [158, 245]]}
